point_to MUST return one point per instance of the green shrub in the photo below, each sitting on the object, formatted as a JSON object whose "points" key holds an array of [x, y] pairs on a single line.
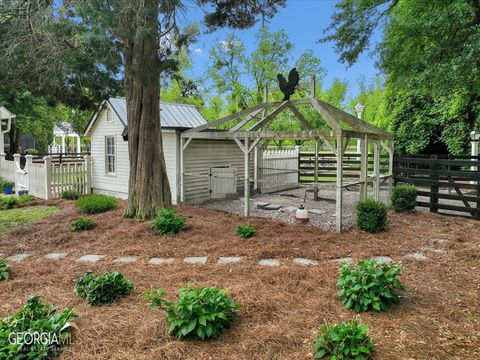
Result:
{"points": [[81, 224], [102, 289], [200, 313], [371, 215], [70, 195], [246, 231], [4, 271], [343, 341], [31, 152], [370, 287], [167, 222], [96, 203], [35, 318], [404, 197], [24, 198], [9, 202], [7, 183]]}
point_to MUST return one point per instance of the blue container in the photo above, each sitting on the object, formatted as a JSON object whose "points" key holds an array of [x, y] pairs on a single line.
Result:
{"points": [[21, 192], [8, 190]]}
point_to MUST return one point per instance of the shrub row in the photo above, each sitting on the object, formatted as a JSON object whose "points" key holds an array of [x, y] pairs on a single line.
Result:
{"points": [[10, 202]]}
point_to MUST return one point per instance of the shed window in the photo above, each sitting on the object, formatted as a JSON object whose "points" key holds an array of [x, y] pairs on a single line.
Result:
{"points": [[110, 154]]}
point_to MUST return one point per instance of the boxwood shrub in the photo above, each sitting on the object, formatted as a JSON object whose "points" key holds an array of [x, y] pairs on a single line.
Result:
{"points": [[4, 270], [38, 318], [404, 197], [372, 286], [343, 341], [371, 215], [168, 222], [70, 195], [199, 313], [82, 224], [96, 203], [102, 289]]}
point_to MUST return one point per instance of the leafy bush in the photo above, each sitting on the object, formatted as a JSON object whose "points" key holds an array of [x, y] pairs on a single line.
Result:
{"points": [[31, 152], [70, 195], [35, 318], [370, 287], [82, 224], [343, 341], [24, 198], [96, 203], [246, 231], [9, 202], [102, 289], [167, 222], [371, 215], [4, 271], [404, 197], [200, 313], [7, 183]]}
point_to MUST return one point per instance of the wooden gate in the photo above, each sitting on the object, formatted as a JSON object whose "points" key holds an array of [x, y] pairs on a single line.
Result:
{"points": [[447, 184], [223, 181]]}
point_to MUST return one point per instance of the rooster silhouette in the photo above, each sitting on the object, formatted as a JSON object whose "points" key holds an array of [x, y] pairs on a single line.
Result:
{"points": [[288, 87]]}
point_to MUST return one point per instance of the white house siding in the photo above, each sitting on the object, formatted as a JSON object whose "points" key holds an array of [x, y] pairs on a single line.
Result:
{"points": [[117, 184], [199, 156]]}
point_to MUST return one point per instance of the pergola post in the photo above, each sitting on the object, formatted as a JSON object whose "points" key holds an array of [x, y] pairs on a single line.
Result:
{"points": [[63, 144], [364, 168], [376, 170], [246, 191], [315, 179], [79, 148], [339, 188], [390, 168]]}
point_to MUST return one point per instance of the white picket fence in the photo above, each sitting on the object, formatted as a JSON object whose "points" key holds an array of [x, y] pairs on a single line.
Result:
{"points": [[47, 179], [279, 169]]}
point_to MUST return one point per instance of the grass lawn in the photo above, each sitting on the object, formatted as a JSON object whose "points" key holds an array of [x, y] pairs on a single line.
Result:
{"points": [[21, 216]]}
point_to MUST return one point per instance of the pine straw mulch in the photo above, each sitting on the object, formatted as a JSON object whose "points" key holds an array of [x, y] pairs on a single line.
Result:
{"points": [[438, 316]]}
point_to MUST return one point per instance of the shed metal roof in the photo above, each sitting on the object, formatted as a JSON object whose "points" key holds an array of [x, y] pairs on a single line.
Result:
{"points": [[172, 115]]}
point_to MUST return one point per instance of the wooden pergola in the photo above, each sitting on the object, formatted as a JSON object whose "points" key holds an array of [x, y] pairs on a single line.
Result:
{"points": [[251, 126]]}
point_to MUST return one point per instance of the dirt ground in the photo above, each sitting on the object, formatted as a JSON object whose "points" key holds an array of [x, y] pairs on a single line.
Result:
{"points": [[294, 198], [438, 316]]}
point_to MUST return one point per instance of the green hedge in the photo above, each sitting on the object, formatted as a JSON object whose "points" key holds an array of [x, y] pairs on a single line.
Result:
{"points": [[404, 197], [371, 215]]}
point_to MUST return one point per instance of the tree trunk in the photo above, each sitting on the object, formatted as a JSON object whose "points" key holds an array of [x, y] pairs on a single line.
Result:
{"points": [[148, 189]]}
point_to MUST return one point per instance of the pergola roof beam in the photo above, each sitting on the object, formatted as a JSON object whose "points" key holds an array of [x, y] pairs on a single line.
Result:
{"points": [[270, 116], [329, 119], [300, 116], [249, 118]]}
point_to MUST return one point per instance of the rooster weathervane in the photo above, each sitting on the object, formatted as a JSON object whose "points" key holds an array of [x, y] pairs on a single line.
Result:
{"points": [[288, 87]]}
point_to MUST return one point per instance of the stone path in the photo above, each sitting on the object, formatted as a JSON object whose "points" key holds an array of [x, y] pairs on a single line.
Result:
{"points": [[232, 260]]}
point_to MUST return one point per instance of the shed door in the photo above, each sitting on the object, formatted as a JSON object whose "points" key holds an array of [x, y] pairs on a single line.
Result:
{"points": [[223, 181]]}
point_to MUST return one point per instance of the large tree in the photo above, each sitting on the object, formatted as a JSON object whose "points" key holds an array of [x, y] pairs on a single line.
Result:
{"points": [[430, 55]]}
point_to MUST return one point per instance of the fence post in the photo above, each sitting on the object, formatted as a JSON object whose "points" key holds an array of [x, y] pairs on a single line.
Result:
{"points": [[88, 174], [16, 168], [28, 167], [434, 187], [48, 177]]}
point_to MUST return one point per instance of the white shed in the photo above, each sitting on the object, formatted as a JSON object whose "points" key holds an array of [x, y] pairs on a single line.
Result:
{"points": [[110, 161]]}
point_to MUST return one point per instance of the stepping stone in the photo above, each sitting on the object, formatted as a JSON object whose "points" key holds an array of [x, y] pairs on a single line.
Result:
{"points": [[342, 260], [305, 262], [91, 258], [126, 259], [17, 257], [289, 209], [195, 259], [316, 212], [416, 256], [161, 261], [230, 259], [434, 250], [383, 259], [272, 207], [261, 204], [269, 262], [55, 256]]}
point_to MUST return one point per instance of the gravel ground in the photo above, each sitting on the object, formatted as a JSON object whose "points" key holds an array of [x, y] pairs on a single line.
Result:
{"points": [[290, 199]]}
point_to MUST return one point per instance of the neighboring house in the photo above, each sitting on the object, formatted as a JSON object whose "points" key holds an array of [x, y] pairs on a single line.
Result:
{"points": [[110, 161]]}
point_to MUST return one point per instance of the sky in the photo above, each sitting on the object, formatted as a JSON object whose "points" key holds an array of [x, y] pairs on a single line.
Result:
{"points": [[304, 22]]}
